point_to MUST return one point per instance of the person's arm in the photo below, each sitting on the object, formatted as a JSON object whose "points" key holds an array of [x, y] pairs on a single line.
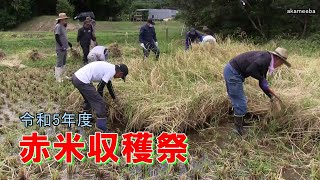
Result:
{"points": [[57, 36], [141, 35], [102, 56], [100, 87], [264, 85], [79, 35], [199, 35], [187, 41], [93, 37], [254, 71], [154, 35], [111, 91]]}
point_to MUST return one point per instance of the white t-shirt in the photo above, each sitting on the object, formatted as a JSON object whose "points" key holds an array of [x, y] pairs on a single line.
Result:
{"points": [[209, 39], [96, 71], [98, 52]]}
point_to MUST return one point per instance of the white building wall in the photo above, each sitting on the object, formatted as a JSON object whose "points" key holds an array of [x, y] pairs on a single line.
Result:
{"points": [[159, 14]]}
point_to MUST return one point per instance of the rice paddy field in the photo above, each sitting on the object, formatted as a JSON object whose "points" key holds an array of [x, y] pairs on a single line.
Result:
{"points": [[182, 92]]}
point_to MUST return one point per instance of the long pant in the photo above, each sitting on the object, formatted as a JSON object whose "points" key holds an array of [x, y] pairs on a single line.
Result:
{"points": [[85, 50], [91, 97], [151, 46], [234, 83], [61, 58]]}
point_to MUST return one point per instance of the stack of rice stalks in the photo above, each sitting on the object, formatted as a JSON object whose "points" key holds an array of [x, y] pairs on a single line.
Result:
{"points": [[114, 50], [35, 55], [75, 53]]}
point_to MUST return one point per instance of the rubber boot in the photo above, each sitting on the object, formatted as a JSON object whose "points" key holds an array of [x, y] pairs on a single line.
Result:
{"points": [[64, 73], [101, 124], [238, 123], [81, 131], [58, 73]]}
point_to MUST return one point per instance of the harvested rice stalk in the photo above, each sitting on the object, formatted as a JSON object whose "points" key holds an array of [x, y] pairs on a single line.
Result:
{"points": [[115, 50], [75, 53], [35, 55]]}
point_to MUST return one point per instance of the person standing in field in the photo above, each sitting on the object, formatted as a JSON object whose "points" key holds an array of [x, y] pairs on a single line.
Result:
{"points": [[192, 36], [93, 28], [62, 44], [103, 72], [85, 35], [98, 53], [148, 39], [254, 64]]}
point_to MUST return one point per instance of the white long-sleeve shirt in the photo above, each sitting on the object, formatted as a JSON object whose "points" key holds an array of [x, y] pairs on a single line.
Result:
{"points": [[209, 39], [97, 54]]}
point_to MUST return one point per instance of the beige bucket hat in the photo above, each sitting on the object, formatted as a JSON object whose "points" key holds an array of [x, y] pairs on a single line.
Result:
{"points": [[62, 16], [283, 54]]}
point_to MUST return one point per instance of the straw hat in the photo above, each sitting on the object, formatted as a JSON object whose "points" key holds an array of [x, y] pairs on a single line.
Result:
{"points": [[62, 16], [283, 54]]}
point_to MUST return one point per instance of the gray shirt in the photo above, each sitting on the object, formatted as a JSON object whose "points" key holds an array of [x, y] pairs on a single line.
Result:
{"points": [[62, 32]]}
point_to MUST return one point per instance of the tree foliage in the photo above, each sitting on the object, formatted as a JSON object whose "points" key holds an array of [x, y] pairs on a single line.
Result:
{"points": [[64, 6], [14, 12], [264, 18]]}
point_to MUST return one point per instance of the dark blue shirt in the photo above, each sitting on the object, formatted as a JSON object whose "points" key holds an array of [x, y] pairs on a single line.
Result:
{"points": [[255, 64], [147, 35]]}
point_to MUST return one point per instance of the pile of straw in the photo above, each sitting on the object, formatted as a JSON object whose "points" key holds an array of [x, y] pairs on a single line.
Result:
{"points": [[114, 50], [35, 55]]}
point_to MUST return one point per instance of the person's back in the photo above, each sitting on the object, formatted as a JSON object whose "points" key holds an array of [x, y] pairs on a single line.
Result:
{"points": [[98, 53], [256, 59], [209, 39], [95, 72]]}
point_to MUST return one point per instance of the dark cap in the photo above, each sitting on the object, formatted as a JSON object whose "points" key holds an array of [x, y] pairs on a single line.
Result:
{"points": [[124, 69], [192, 31], [150, 20]]}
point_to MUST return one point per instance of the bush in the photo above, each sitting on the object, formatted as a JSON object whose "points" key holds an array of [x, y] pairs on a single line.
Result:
{"points": [[65, 6], [7, 20]]}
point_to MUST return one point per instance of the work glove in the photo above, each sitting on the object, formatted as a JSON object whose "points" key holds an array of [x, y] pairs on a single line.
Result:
{"points": [[157, 44], [142, 45], [64, 49]]}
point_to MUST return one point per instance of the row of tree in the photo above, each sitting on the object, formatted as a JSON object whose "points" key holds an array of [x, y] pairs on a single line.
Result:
{"points": [[16, 11], [263, 18]]}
